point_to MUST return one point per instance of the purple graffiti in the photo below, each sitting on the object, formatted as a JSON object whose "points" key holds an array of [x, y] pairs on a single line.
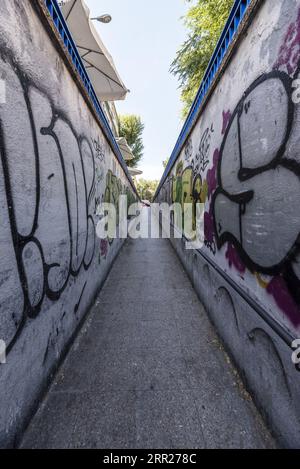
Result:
{"points": [[234, 259], [209, 231], [212, 174], [104, 248], [226, 120], [278, 289], [289, 53]]}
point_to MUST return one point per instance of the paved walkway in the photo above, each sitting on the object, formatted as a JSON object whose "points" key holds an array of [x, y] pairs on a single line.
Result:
{"points": [[147, 370]]}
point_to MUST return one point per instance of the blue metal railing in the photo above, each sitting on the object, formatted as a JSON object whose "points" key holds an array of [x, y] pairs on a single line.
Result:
{"points": [[63, 30], [235, 18]]}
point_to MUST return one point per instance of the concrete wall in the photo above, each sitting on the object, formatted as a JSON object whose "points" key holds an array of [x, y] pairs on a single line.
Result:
{"points": [[56, 167], [242, 160]]}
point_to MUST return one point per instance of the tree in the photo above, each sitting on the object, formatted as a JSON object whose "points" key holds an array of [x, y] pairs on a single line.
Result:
{"points": [[165, 163], [132, 128], [205, 21], [146, 189]]}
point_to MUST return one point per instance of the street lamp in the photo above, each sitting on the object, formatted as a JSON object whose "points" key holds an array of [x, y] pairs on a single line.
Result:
{"points": [[103, 19]]}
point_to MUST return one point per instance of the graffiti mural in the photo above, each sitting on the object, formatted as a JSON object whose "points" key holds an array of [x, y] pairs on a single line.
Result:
{"points": [[48, 202], [188, 186], [202, 156], [254, 178], [256, 203], [248, 175], [289, 53]]}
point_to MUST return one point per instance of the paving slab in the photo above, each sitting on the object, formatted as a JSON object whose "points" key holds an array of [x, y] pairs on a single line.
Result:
{"points": [[147, 369]]}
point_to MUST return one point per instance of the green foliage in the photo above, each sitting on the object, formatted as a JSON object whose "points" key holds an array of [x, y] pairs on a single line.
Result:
{"points": [[132, 128], [205, 21], [146, 189], [165, 163]]}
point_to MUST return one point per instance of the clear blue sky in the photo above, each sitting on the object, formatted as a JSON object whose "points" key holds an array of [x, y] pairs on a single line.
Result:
{"points": [[143, 39]]}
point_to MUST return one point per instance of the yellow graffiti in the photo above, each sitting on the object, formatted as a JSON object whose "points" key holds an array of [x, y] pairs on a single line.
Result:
{"points": [[188, 189], [262, 283]]}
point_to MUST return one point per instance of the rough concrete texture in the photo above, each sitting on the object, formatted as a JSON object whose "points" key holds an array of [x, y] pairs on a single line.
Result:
{"points": [[147, 370], [56, 168], [241, 161]]}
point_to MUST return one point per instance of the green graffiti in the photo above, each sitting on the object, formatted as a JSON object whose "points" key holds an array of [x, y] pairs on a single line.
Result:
{"points": [[188, 188], [114, 189]]}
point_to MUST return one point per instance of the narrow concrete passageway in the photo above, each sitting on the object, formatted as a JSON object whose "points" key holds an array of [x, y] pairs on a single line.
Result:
{"points": [[147, 370]]}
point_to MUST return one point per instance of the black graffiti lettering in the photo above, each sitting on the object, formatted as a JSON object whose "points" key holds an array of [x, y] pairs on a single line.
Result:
{"points": [[202, 156], [99, 149], [188, 150], [47, 227], [256, 204]]}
